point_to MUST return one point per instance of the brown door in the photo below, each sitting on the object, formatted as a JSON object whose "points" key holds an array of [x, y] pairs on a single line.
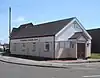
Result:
{"points": [[81, 50]]}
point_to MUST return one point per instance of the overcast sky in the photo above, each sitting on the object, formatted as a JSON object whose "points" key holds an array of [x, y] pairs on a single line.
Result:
{"points": [[39, 11]]}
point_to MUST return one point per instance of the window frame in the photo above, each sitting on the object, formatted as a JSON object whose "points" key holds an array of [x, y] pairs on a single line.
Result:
{"points": [[23, 47], [23, 44], [47, 46], [33, 48], [72, 45], [14, 47]]}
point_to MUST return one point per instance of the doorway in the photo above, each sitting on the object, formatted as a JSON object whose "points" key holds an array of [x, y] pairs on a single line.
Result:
{"points": [[81, 50]]}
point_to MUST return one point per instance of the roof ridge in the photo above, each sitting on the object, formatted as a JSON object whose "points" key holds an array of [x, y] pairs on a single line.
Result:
{"points": [[44, 29], [55, 21], [26, 23]]}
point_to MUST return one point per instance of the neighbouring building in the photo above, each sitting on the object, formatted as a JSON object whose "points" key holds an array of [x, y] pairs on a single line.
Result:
{"points": [[6, 46], [1, 48], [65, 38], [95, 34]]}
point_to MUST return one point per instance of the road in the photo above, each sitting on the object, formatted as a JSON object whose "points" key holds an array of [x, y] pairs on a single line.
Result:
{"points": [[91, 70]]}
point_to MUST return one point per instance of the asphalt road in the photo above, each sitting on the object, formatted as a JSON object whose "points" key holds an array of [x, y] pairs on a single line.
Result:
{"points": [[91, 70]]}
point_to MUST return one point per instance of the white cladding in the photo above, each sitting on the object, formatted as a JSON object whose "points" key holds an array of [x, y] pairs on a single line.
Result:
{"points": [[68, 32], [31, 43], [64, 36], [82, 38]]}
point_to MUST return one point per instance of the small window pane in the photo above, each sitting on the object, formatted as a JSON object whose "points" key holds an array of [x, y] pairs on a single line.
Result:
{"points": [[34, 46], [62, 44], [71, 45], [14, 47], [23, 47], [46, 46], [67, 44], [23, 44]]}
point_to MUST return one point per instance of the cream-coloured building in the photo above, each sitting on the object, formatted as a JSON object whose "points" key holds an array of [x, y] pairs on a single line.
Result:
{"points": [[65, 38]]}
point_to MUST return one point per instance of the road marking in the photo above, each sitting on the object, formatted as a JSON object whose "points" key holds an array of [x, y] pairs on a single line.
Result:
{"points": [[93, 76]]}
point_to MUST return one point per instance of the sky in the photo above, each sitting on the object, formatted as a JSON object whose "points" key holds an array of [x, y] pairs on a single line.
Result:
{"points": [[40, 11]]}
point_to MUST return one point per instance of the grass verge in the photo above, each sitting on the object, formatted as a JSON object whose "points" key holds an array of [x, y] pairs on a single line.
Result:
{"points": [[95, 56]]}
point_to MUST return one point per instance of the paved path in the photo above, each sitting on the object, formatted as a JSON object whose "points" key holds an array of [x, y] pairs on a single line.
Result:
{"points": [[55, 63], [87, 70]]}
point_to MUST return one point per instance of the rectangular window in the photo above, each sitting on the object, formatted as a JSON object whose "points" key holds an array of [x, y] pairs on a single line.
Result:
{"points": [[23, 49], [14, 47], [71, 45], [67, 44], [46, 46], [62, 45], [34, 46], [23, 45]]}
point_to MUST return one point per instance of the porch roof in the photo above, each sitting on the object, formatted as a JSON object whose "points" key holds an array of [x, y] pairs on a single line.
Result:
{"points": [[77, 35]]}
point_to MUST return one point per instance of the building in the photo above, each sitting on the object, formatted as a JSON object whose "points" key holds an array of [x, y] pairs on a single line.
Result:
{"points": [[65, 38], [6, 46], [95, 34], [1, 48]]}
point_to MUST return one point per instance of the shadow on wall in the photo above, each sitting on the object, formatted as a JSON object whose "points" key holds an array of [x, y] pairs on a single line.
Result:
{"points": [[66, 53]]}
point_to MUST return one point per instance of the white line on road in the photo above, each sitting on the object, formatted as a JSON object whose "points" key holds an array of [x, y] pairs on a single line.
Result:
{"points": [[93, 76]]}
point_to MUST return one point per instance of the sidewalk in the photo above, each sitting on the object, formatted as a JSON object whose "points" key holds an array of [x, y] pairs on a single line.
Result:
{"points": [[76, 61], [53, 63]]}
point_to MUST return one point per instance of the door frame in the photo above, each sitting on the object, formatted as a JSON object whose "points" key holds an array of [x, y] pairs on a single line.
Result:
{"points": [[77, 50]]}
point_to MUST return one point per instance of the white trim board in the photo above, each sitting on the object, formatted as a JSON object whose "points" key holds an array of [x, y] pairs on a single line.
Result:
{"points": [[83, 28]]}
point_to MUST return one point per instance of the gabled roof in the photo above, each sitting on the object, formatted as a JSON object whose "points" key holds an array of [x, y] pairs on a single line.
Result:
{"points": [[16, 31], [28, 25], [46, 29]]}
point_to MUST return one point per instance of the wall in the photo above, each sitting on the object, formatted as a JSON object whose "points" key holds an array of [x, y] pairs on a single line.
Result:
{"points": [[63, 50], [28, 49], [82, 39], [88, 49], [67, 33]]}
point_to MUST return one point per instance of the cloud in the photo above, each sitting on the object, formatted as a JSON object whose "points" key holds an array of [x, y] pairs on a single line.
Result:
{"points": [[19, 19]]}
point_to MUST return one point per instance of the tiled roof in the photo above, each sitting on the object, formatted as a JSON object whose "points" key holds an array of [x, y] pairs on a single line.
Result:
{"points": [[45, 29]]}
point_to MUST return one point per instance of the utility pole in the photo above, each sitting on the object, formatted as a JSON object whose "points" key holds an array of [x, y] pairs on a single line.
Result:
{"points": [[9, 26]]}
